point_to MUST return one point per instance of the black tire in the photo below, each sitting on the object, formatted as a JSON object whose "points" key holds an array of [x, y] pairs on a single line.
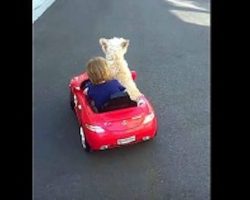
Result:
{"points": [[72, 103], [156, 133], [85, 143], [87, 149]]}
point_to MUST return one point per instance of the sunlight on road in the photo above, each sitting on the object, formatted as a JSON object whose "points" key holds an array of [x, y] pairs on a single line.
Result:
{"points": [[198, 18], [194, 17], [39, 7], [186, 4]]}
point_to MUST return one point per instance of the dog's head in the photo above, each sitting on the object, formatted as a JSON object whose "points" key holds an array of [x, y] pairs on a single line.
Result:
{"points": [[114, 46]]}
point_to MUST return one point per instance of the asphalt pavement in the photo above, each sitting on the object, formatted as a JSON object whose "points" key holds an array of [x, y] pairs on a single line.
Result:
{"points": [[171, 58]]}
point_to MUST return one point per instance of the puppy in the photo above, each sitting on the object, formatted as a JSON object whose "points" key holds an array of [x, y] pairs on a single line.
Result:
{"points": [[115, 49]]}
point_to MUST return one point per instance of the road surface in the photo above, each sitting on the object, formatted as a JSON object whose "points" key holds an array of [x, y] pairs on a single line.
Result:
{"points": [[171, 57]]}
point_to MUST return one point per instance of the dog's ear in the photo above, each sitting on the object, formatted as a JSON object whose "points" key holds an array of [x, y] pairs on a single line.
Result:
{"points": [[103, 43], [125, 44]]}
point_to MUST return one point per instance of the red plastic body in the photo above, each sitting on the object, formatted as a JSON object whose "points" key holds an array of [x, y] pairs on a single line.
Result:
{"points": [[117, 125]]}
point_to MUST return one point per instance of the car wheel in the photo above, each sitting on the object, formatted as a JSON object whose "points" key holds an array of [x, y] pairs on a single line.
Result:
{"points": [[156, 133], [72, 103], [84, 142]]}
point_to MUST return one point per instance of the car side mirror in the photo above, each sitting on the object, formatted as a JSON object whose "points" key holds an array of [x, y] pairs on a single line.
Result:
{"points": [[134, 75]]}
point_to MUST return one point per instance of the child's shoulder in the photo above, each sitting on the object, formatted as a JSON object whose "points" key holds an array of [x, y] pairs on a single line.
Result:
{"points": [[114, 82]]}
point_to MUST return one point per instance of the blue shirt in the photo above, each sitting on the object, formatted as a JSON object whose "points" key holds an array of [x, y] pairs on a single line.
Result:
{"points": [[100, 93]]}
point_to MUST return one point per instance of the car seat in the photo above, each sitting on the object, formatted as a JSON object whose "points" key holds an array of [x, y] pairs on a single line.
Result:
{"points": [[118, 100]]}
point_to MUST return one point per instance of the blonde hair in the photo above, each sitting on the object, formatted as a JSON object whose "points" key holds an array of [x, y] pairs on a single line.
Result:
{"points": [[98, 70]]}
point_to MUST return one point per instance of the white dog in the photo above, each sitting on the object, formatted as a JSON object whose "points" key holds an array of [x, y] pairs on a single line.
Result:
{"points": [[115, 50]]}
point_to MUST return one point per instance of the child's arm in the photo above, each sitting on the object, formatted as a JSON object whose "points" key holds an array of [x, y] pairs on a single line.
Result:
{"points": [[122, 88]]}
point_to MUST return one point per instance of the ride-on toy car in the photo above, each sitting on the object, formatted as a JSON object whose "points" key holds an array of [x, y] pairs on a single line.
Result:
{"points": [[120, 122]]}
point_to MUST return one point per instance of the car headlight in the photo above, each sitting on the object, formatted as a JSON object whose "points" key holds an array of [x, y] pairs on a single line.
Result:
{"points": [[148, 118], [95, 128]]}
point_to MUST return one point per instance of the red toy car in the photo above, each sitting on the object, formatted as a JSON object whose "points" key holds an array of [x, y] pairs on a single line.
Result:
{"points": [[121, 122]]}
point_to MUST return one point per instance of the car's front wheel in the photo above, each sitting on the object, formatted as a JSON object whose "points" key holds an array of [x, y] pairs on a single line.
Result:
{"points": [[84, 142]]}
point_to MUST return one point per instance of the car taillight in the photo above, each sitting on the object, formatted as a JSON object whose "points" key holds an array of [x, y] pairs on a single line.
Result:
{"points": [[148, 118], [95, 128]]}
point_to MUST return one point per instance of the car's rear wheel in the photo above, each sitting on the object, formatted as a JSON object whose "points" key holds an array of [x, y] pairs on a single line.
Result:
{"points": [[84, 142], [72, 103], [156, 133]]}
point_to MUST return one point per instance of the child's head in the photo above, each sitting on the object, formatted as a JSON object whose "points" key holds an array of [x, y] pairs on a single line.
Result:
{"points": [[98, 70]]}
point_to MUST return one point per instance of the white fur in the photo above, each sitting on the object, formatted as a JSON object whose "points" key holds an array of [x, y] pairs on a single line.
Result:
{"points": [[115, 49]]}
